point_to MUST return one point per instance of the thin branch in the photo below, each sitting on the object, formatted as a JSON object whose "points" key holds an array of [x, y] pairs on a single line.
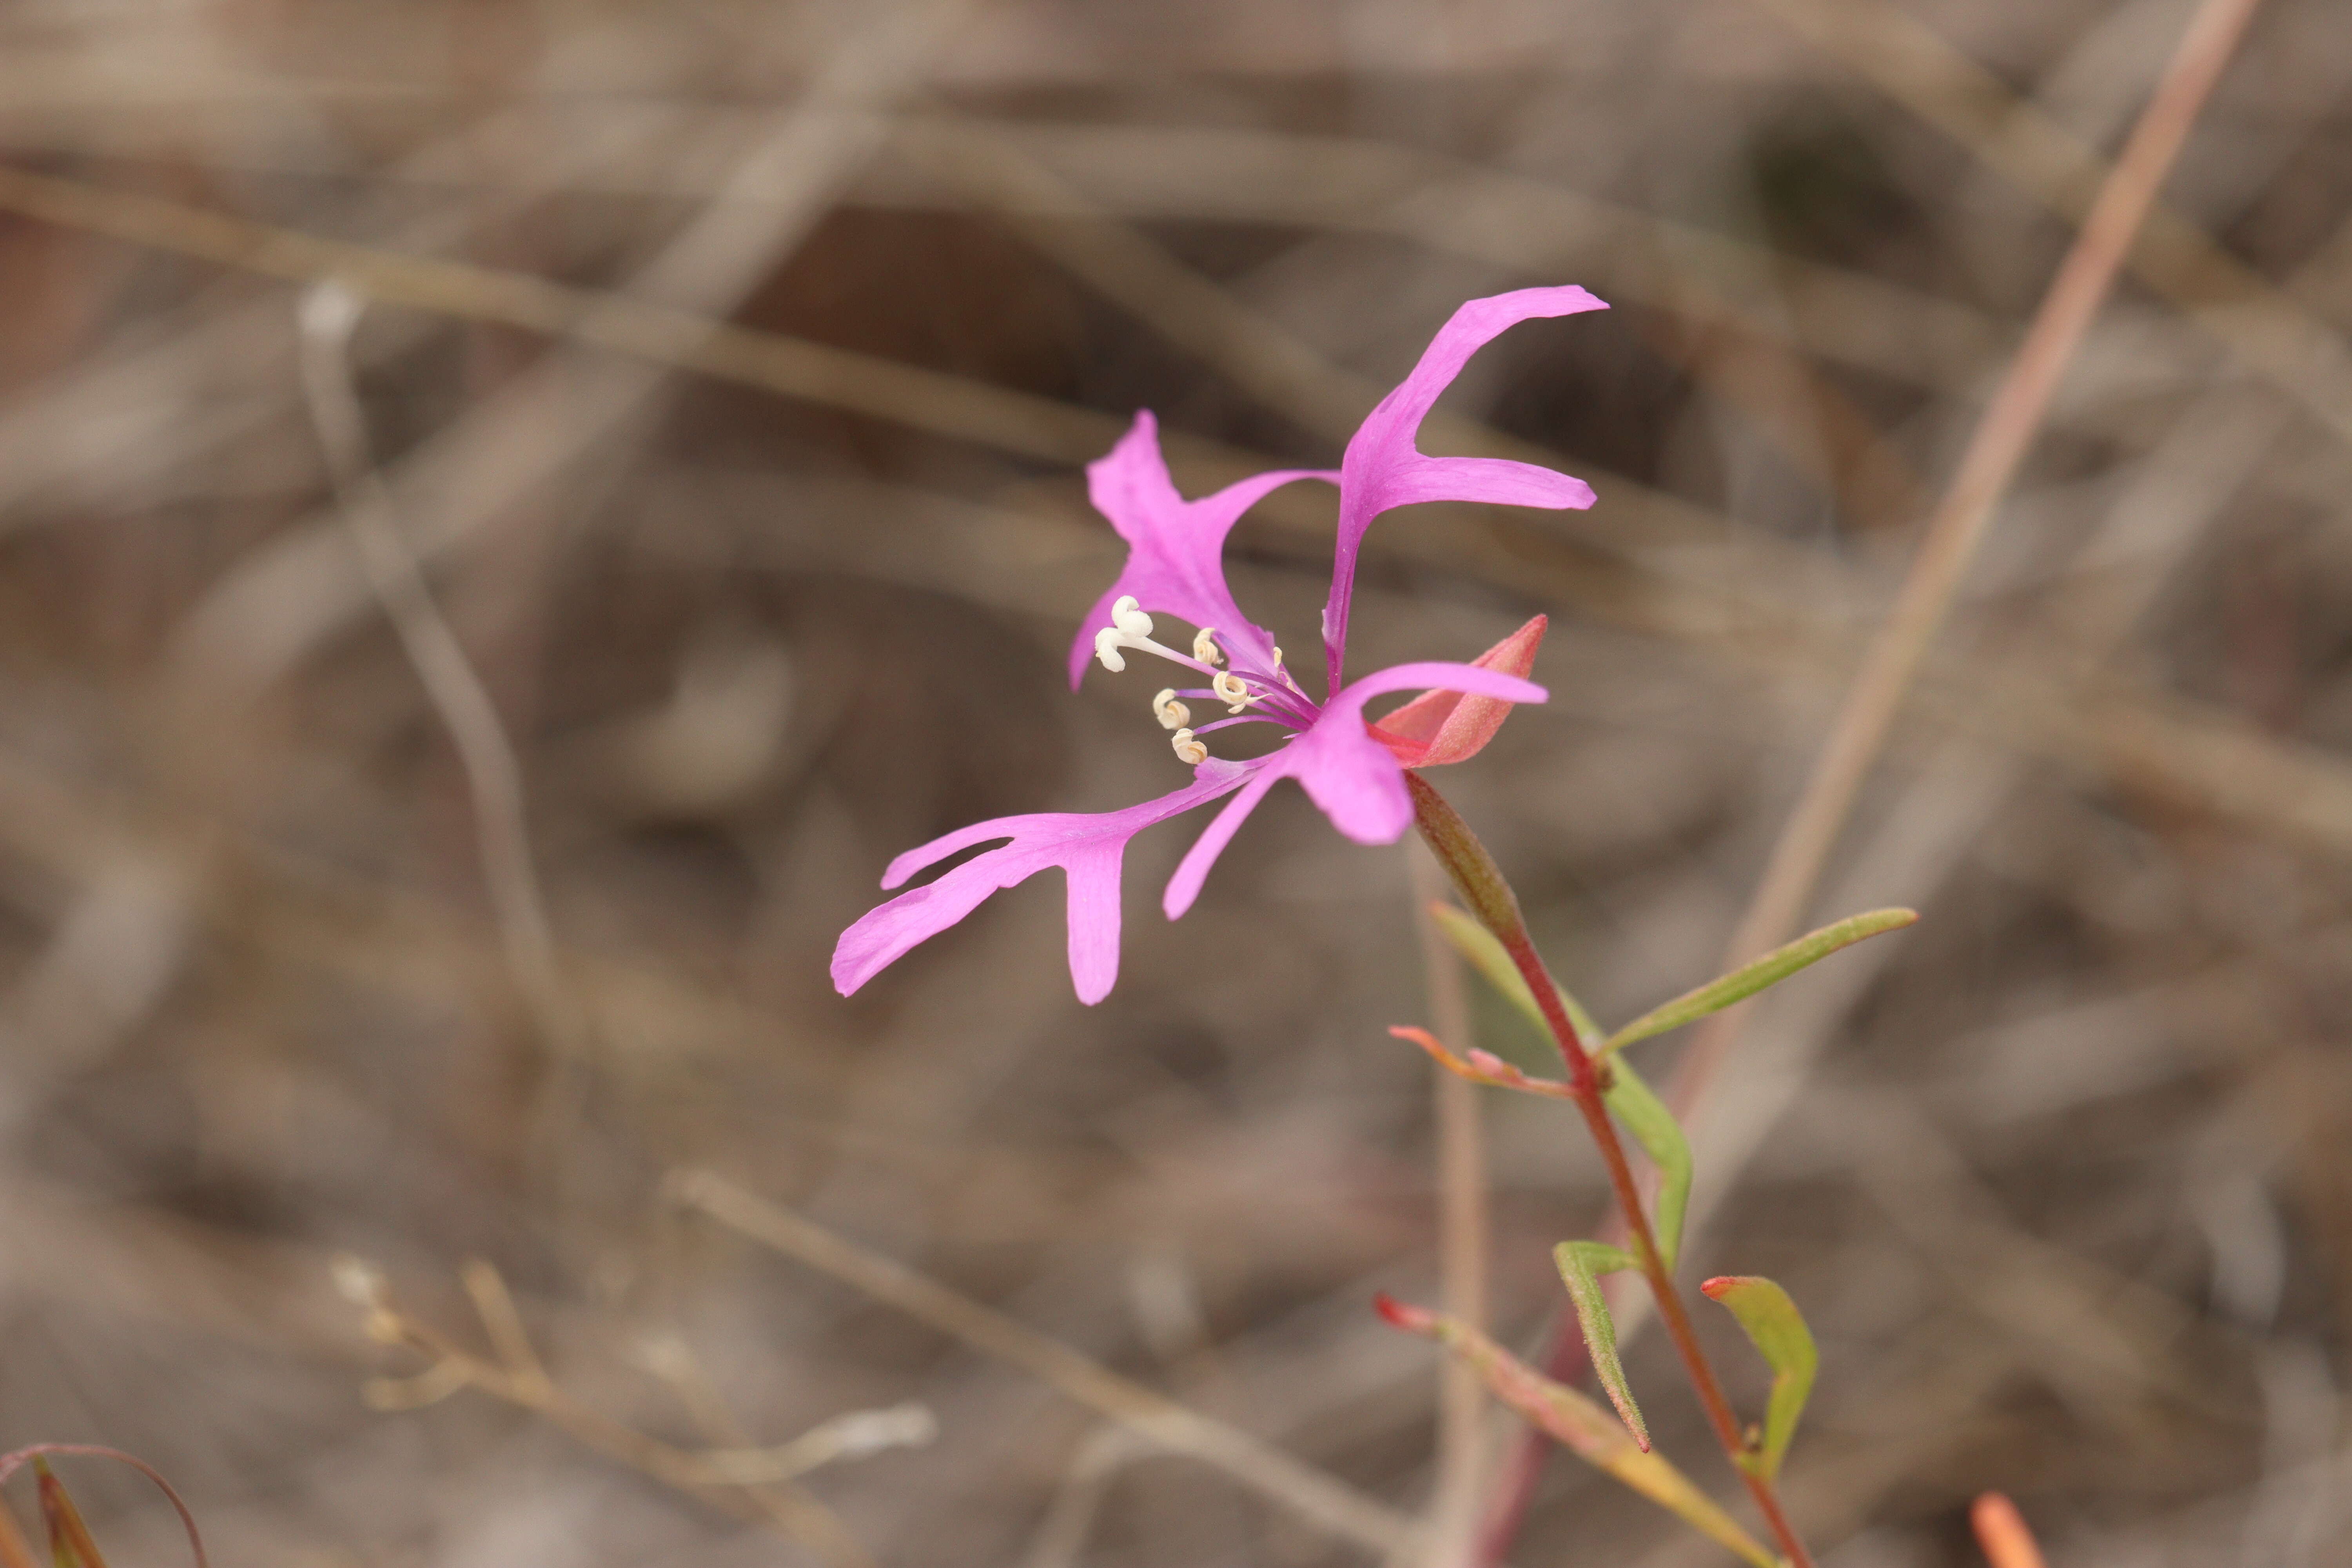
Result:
{"points": [[928, 400], [1312, 1493], [1061, 1535], [2267, 328], [1953, 536], [736, 1481], [1023, 424], [493, 772], [1462, 1233], [1957, 529]]}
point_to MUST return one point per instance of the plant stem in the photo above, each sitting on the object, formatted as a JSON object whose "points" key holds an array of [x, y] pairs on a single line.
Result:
{"points": [[1491, 899]]}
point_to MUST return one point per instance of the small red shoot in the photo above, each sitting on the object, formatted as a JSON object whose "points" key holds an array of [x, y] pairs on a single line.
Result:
{"points": [[2001, 1532]]}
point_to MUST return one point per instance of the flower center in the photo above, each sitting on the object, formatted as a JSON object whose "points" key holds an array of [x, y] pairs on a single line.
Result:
{"points": [[1241, 687]]}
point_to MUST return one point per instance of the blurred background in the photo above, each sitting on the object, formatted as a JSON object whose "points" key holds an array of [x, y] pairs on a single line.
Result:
{"points": [[2063, 1176]]}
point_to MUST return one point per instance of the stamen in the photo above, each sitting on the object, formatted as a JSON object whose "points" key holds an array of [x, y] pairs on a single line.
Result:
{"points": [[1130, 628], [1205, 648], [1172, 715], [1231, 691], [1107, 643], [1188, 750]]}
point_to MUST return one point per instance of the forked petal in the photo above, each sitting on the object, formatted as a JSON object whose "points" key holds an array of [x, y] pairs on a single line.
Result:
{"points": [[1088, 847]]}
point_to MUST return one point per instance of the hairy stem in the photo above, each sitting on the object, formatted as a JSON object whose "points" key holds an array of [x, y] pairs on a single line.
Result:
{"points": [[1490, 898]]}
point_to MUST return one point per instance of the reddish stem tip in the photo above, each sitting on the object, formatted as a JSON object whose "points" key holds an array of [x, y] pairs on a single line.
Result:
{"points": [[2001, 1532], [1397, 1315]]}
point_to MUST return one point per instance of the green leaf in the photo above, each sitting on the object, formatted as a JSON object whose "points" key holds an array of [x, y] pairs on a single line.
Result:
{"points": [[1780, 1335], [1485, 952], [1653, 1127], [1582, 1427], [1745, 982], [1581, 1263]]}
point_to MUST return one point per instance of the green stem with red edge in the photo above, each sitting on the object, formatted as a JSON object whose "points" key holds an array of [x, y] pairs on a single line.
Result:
{"points": [[1491, 900]]}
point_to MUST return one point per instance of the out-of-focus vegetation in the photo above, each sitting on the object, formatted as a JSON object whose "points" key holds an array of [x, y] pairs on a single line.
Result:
{"points": [[2059, 1177]]}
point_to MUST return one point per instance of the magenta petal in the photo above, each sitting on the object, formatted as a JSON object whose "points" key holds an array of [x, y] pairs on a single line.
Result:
{"points": [[1345, 770], [1093, 877], [1353, 776], [1497, 480], [1175, 558], [1087, 846], [1384, 469]]}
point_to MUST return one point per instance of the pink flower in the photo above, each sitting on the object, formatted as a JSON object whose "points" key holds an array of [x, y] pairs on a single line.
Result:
{"points": [[1353, 770]]}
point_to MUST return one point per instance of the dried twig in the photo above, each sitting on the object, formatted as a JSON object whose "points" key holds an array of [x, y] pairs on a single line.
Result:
{"points": [[1958, 527], [1011, 421], [493, 771], [742, 1482], [1463, 1235], [2270, 330], [1953, 535], [1313, 1494]]}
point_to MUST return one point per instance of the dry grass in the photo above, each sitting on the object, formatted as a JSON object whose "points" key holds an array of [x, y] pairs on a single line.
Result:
{"points": [[727, 373]]}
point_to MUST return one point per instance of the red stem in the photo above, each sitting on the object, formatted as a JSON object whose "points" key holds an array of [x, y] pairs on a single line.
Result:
{"points": [[1491, 899], [1585, 1079]]}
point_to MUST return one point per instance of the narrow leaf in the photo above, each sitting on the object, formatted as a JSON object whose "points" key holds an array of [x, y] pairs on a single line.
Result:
{"points": [[1577, 1261], [70, 1545], [1645, 1116], [32, 1454], [15, 1551], [1481, 1066], [1745, 982], [1485, 954], [1580, 1426], [1779, 1331]]}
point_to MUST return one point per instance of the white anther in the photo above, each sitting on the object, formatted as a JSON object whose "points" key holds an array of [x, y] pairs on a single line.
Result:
{"points": [[1205, 646], [1130, 619], [1278, 658], [1188, 750], [1107, 649], [1229, 690], [1172, 715]]}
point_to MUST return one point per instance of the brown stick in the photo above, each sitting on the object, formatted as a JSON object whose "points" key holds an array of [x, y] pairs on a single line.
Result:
{"points": [[1958, 527], [1923, 604], [1462, 1226], [1316, 1495]]}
